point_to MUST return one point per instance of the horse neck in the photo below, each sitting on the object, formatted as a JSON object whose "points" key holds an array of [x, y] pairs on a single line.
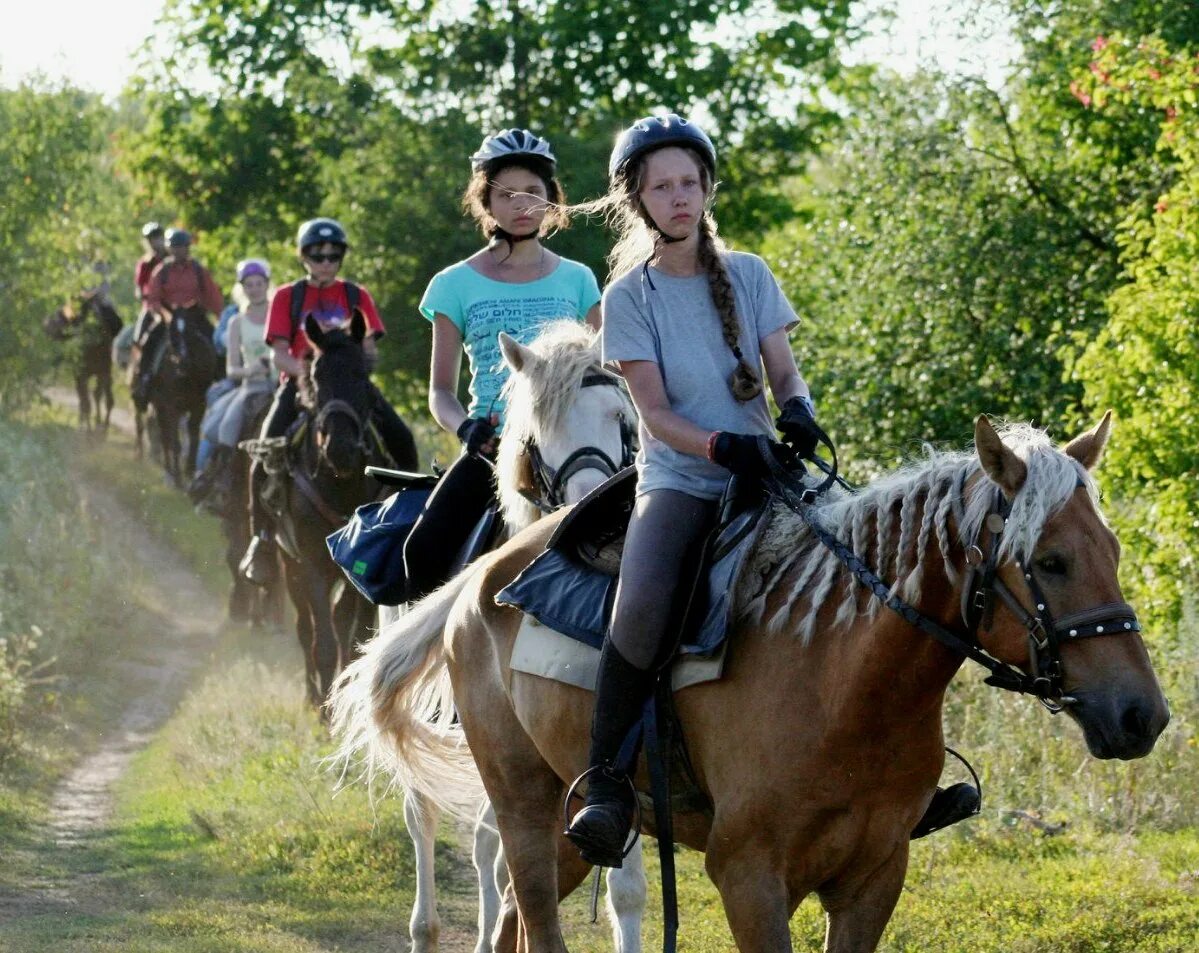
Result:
{"points": [[872, 652]]}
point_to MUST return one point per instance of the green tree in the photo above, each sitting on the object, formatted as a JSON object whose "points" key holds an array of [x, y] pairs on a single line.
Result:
{"points": [[1145, 362], [62, 212]]}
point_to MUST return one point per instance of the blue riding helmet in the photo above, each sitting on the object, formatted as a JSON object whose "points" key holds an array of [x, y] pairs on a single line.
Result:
{"points": [[317, 231], [657, 132], [178, 236]]}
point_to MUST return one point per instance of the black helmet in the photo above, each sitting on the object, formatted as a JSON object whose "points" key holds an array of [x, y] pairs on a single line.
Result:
{"points": [[512, 142], [317, 231], [150, 229], [178, 236], [656, 132]]}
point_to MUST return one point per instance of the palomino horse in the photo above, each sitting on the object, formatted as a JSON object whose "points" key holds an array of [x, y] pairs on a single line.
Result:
{"points": [[324, 483], [89, 333], [565, 433], [820, 747]]}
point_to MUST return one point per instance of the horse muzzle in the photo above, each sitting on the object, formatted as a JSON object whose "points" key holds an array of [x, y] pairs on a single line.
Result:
{"points": [[1120, 724]]}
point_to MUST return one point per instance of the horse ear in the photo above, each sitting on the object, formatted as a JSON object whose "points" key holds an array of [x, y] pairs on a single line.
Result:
{"points": [[997, 459], [1088, 448], [313, 329], [516, 355], [358, 325]]}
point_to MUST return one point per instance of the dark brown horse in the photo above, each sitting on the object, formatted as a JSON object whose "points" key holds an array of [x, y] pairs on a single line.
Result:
{"points": [[325, 483], [88, 330], [178, 387], [247, 603], [819, 748]]}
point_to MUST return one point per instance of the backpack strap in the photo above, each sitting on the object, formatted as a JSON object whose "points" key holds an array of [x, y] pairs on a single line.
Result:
{"points": [[353, 296], [298, 290]]}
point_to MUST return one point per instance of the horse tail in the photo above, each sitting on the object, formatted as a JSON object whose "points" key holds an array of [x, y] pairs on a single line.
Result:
{"points": [[393, 708]]}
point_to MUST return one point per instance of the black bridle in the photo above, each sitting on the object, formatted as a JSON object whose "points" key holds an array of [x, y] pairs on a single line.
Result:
{"points": [[1045, 635], [551, 483]]}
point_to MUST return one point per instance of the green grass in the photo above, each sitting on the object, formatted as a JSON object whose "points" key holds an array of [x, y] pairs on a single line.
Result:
{"points": [[229, 835]]}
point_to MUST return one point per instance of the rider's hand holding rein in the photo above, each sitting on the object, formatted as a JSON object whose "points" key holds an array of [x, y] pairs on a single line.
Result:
{"points": [[478, 435]]}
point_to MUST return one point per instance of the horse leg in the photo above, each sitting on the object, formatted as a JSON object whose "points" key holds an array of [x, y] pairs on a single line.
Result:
{"points": [[526, 796], [194, 418], [105, 387], [755, 895], [488, 858], [424, 927], [304, 628], [509, 933], [858, 908], [324, 637], [627, 889], [81, 397]]}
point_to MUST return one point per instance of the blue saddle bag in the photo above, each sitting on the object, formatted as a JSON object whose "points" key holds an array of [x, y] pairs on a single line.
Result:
{"points": [[370, 547]]}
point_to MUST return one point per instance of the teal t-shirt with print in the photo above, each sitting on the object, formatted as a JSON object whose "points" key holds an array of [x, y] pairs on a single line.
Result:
{"points": [[482, 307]]}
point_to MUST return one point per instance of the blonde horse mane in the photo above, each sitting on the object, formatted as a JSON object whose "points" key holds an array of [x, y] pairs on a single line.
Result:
{"points": [[890, 522], [537, 399]]}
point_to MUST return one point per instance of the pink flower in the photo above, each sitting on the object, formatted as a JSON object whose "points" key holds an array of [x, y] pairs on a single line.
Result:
{"points": [[1099, 43], [1161, 206], [1077, 92]]}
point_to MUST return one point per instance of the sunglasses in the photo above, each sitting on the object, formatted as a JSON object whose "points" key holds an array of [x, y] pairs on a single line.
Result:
{"points": [[321, 259]]}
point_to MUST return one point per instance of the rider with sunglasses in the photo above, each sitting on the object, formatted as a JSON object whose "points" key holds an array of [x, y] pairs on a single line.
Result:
{"points": [[330, 301]]}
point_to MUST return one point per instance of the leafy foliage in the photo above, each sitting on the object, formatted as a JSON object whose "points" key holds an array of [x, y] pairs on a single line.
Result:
{"points": [[1145, 362], [61, 211]]}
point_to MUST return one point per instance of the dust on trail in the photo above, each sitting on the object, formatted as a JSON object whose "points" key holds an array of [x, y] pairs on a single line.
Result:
{"points": [[155, 671]]}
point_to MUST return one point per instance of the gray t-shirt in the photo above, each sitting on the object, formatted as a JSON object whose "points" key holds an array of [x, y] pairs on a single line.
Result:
{"points": [[652, 316]]}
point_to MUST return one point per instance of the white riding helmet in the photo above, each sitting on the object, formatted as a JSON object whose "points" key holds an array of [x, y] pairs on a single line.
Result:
{"points": [[512, 142]]}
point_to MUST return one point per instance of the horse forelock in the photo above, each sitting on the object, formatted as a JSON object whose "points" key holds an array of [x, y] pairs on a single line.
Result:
{"points": [[338, 372], [897, 524], [537, 400]]}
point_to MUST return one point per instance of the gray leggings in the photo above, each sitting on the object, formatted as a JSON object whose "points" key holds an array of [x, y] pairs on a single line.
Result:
{"points": [[666, 531]]}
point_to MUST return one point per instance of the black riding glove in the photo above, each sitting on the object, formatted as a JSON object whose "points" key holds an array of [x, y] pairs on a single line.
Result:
{"points": [[475, 433], [797, 424], [738, 453]]}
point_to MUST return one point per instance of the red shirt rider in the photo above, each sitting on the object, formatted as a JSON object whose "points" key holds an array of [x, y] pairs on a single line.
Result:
{"points": [[329, 306]]}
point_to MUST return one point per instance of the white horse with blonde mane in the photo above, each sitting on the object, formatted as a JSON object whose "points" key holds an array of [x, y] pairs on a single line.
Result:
{"points": [[550, 407]]}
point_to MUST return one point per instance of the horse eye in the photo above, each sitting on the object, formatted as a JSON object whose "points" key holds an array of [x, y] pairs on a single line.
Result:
{"points": [[1052, 564]]}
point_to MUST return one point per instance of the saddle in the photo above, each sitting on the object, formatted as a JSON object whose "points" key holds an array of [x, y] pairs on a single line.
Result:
{"points": [[571, 585]]}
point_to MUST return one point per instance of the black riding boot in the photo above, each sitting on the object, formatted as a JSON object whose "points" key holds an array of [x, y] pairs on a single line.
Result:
{"points": [[258, 564], [601, 828], [948, 806]]}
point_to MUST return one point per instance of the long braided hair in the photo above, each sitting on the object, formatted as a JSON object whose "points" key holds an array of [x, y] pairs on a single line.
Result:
{"points": [[638, 240]]}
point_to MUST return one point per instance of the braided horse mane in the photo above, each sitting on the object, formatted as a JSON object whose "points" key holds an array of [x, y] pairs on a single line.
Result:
{"points": [[890, 522], [537, 401]]}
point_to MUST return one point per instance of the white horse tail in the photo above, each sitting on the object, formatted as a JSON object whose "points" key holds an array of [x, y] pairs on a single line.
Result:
{"points": [[393, 707]]}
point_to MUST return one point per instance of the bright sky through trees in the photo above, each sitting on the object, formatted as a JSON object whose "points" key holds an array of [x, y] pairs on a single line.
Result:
{"points": [[95, 45]]}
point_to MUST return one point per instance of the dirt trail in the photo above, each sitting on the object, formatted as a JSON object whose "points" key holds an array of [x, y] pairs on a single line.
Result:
{"points": [[122, 417], [154, 674]]}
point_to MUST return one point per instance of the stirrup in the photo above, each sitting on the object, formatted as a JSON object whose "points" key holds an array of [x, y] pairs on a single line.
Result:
{"points": [[968, 798], [572, 794]]}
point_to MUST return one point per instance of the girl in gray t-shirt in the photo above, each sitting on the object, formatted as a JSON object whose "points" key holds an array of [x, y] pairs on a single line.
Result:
{"points": [[691, 327]]}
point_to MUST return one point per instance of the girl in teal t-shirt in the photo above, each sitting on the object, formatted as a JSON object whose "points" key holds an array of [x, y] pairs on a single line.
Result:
{"points": [[514, 284]]}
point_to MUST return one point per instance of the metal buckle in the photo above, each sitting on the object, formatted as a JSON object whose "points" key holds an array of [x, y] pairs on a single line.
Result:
{"points": [[809, 496]]}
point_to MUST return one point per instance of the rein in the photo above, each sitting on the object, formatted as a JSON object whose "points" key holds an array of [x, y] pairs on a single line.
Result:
{"points": [[1045, 635], [303, 475], [551, 483]]}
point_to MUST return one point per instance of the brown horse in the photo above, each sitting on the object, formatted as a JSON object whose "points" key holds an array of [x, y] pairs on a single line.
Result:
{"points": [[88, 330], [820, 747]]}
